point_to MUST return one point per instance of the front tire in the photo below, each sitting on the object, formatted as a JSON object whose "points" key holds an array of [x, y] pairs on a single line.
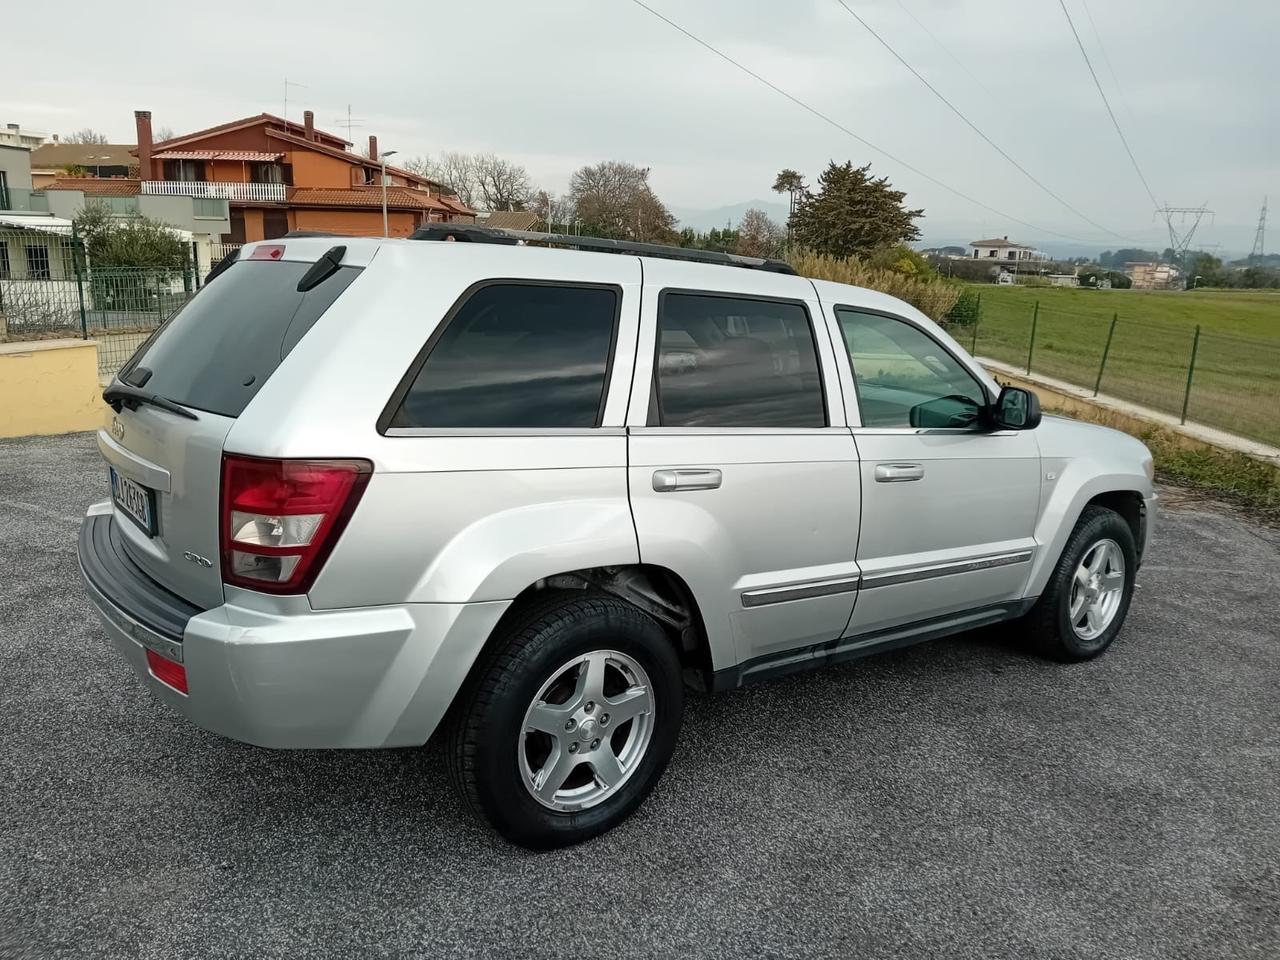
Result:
{"points": [[1087, 598], [569, 721]]}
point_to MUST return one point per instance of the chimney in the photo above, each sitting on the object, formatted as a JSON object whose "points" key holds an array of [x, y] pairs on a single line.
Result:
{"points": [[373, 148], [308, 125], [142, 120]]}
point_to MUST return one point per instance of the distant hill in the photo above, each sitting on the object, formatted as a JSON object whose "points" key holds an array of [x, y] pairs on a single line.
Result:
{"points": [[731, 214]]}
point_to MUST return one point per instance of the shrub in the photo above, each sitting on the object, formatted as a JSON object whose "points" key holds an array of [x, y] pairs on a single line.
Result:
{"points": [[928, 293]]}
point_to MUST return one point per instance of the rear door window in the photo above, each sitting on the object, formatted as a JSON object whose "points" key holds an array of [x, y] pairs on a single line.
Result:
{"points": [[517, 355], [218, 350], [736, 362]]}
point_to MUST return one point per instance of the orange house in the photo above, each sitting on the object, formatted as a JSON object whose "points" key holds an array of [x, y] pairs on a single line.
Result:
{"points": [[280, 176]]}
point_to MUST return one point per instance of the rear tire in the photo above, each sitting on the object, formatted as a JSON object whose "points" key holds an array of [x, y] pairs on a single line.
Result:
{"points": [[569, 721], [1084, 604]]}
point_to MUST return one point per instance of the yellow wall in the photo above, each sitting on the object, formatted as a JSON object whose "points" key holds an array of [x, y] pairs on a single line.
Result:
{"points": [[49, 386]]}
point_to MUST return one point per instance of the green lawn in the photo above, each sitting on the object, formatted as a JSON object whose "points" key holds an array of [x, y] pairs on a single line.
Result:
{"points": [[1236, 385], [1244, 313]]}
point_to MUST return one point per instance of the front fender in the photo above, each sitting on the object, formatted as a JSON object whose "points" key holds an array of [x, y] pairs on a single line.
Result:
{"points": [[1076, 483]]}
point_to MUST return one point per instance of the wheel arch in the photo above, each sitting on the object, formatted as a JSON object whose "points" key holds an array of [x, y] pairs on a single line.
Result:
{"points": [[658, 592], [1124, 493]]}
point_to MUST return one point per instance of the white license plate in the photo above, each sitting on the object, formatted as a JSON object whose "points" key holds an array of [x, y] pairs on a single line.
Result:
{"points": [[135, 501]]}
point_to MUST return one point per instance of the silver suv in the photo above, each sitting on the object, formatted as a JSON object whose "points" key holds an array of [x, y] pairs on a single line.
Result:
{"points": [[364, 489]]}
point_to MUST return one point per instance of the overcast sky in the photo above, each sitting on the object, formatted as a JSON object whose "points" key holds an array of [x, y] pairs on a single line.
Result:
{"points": [[559, 83]]}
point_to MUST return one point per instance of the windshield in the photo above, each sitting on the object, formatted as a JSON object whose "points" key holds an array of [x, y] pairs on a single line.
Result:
{"points": [[217, 351]]}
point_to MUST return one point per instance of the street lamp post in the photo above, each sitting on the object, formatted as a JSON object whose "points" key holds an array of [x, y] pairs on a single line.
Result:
{"points": [[383, 157]]}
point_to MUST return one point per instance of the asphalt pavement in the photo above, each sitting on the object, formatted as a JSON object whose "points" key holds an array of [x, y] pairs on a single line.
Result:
{"points": [[958, 799]]}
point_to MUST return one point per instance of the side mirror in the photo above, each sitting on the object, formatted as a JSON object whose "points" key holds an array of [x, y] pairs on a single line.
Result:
{"points": [[1016, 409]]}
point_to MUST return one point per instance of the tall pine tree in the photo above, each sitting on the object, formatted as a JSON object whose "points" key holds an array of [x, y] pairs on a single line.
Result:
{"points": [[852, 213]]}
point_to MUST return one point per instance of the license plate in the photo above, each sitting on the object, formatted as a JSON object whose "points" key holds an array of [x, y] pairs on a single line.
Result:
{"points": [[135, 501]]}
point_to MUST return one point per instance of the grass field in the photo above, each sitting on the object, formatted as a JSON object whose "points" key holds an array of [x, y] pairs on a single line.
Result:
{"points": [[1236, 382], [1243, 313]]}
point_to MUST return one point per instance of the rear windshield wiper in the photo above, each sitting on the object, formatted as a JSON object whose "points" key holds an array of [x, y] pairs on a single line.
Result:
{"points": [[121, 394]]}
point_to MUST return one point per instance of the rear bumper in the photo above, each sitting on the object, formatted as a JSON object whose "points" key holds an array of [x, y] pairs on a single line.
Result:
{"points": [[291, 677]]}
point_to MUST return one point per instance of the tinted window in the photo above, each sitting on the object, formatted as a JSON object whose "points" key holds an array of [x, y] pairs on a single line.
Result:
{"points": [[517, 355], [904, 377], [218, 350], [734, 362]]}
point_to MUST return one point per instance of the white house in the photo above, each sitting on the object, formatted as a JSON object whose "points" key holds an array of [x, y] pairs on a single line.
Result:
{"points": [[1004, 250]]}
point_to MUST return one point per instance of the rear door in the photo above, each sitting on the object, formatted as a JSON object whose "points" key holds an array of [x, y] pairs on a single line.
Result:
{"points": [[744, 478], [211, 358]]}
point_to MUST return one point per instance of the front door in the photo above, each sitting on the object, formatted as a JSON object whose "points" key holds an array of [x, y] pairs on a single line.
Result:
{"points": [[743, 478], [949, 508]]}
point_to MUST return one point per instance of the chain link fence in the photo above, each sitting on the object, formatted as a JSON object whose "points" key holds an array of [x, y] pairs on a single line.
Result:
{"points": [[48, 290], [1216, 379]]}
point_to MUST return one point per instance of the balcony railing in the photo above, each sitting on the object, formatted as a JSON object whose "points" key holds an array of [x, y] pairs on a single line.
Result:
{"points": [[264, 192], [21, 200]]}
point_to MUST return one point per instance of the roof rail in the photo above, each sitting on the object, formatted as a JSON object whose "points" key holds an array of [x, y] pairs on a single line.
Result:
{"points": [[470, 233]]}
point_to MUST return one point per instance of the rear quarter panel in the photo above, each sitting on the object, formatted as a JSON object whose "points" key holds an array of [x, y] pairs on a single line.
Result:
{"points": [[457, 515]]}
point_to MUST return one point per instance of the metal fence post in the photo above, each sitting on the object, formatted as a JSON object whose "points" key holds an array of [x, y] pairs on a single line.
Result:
{"points": [[977, 318], [159, 301], [1035, 320], [1105, 350], [1191, 372], [77, 263]]}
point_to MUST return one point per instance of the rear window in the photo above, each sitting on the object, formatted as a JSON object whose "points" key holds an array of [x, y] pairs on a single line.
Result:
{"points": [[218, 350], [517, 355]]}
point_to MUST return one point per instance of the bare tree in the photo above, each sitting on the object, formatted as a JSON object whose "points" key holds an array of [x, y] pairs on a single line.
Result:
{"points": [[502, 185], [452, 170], [614, 199], [759, 236], [86, 135], [481, 180], [163, 133], [556, 211]]}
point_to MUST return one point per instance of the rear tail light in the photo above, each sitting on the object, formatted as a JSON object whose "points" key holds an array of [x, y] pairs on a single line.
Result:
{"points": [[169, 672], [281, 518]]}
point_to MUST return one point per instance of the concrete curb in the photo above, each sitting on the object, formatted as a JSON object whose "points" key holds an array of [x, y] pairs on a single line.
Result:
{"points": [[1072, 399]]}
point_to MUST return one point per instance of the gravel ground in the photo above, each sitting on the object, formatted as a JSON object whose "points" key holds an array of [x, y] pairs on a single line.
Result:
{"points": [[957, 799]]}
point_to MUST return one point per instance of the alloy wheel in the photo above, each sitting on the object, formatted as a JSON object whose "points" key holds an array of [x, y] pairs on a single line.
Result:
{"points": [[1097, 590], [586, 731]]}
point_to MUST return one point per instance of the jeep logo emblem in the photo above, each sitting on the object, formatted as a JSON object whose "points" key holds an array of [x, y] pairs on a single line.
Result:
{"points": [[117, 428]]}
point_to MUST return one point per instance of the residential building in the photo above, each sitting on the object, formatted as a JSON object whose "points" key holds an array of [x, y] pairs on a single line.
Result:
{"points": [[509, 219], [280, 176], [15, 173], [14, 135], [1152, 276], [198, 221], [54, 160], [1003, 249]]}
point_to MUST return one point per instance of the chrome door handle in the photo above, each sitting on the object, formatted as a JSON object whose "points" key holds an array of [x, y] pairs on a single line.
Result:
{"points": [[666, 481], [899, 472]]}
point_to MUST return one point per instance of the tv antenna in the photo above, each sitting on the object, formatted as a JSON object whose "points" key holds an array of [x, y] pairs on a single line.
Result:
{"points": [[287, 84], [349, 122]]}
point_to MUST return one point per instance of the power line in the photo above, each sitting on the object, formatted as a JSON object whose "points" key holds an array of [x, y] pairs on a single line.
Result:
{"points": [[843, 129], [1107, 103], [1106, 58], [945, 49], [974, 127]]}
